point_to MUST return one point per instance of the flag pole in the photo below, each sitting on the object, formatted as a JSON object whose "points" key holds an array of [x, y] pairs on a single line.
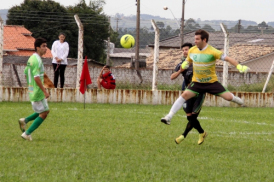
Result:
{"points": [[85, 80], [85, 95]]}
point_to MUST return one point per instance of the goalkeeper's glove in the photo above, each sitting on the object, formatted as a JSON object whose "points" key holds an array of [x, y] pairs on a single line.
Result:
{"points": [[243, 69], [185, 65]]}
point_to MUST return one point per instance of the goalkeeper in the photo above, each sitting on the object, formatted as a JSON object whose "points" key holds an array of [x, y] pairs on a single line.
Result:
{"points": [[203, 57]]}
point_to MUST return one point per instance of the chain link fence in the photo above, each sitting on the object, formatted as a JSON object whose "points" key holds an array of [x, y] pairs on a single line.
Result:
{"points": [[250, 44]]}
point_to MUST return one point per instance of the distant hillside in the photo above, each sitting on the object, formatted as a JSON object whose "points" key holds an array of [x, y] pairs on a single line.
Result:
{"points": [[149, 17], [271, 23], [216, 23], [129, 22], [3, 14]]}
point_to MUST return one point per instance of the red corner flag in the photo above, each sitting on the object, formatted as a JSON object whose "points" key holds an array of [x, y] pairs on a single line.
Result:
{"points": [[85, 77]]}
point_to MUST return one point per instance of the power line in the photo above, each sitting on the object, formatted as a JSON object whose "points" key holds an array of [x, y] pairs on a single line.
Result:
{"points": [[56, 13], [53, 16], [88, 22], [57, 17]]}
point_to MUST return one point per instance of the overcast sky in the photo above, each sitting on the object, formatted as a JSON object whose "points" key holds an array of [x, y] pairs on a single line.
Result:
{"points": [[255, 10]]}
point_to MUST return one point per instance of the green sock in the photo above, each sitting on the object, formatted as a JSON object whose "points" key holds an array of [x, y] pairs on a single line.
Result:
{"points": [[31, 117], [36, 123]]}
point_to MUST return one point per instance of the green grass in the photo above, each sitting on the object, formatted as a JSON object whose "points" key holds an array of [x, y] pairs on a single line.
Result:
{"points": [[147, 86], [255, 87], [108, 142]]}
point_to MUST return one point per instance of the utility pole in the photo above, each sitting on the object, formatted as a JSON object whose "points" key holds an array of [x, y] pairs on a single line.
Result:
{"points": [[182, 25], [108, 62], [239, 26], [117, 20], [137, 35]]}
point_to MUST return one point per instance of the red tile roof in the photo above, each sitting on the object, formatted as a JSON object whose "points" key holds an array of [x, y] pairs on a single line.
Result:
{"points": [[18, 41], [247, 52], [168, 59]]}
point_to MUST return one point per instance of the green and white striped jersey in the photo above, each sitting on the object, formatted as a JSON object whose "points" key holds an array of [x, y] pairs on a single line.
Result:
{"points": [[35, 68]]}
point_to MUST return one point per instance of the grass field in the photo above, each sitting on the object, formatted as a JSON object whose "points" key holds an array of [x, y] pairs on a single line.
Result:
{"points": [[108, 142]]}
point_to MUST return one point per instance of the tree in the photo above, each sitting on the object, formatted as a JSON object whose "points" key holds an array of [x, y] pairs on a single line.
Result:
{"points": [[263, 25], [208, 28], [46, 18], [190, 21], [43, 18], [197, 26], [191, 25], [251, 29], [160, 24], [114, 38], [97, 5], [237, 28], [96, 29]]}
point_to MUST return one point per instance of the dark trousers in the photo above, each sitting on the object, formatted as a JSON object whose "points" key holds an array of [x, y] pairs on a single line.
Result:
{"points": [[59, 71]]}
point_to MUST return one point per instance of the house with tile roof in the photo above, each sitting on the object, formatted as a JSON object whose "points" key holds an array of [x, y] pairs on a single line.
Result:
{"points": [[253, 50], [19, 42], [121, 56]]}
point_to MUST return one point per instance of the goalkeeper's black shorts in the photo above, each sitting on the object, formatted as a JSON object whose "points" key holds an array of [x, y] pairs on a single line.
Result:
{"points": [[215, 88]]}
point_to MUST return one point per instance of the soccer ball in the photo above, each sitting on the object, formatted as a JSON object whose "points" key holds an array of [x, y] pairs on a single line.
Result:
{"points": [[127, 41]]}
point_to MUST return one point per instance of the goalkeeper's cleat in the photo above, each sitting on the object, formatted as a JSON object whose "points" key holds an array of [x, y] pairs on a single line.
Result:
{"points": [[26, 137], [165, 120], [22, 124], [179, 139], [243, 69], [202, 137]]}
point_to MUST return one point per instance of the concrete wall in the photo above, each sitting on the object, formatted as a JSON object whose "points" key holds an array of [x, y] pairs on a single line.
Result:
{"points": [[123, 76], [117, 96]]}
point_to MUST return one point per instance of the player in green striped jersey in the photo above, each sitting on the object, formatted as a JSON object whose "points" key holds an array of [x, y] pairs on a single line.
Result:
{"points": [[38, 95]]}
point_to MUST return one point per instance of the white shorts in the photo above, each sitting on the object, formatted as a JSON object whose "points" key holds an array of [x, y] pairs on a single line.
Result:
{"points": [[40, 106]]}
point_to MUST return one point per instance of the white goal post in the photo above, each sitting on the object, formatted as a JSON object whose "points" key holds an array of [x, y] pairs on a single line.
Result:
{"points": [[268, 77], [156, 55]]}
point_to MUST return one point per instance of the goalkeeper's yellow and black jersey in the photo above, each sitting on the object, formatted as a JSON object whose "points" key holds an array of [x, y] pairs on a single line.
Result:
{"points": [[204, 63]]}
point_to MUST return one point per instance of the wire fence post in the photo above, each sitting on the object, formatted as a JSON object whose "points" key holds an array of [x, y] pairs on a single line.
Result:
{"points": [[80, 49], [226, 52], [108, 44], [156, 55], [225, 64], [1, 55], [268, 77]]}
